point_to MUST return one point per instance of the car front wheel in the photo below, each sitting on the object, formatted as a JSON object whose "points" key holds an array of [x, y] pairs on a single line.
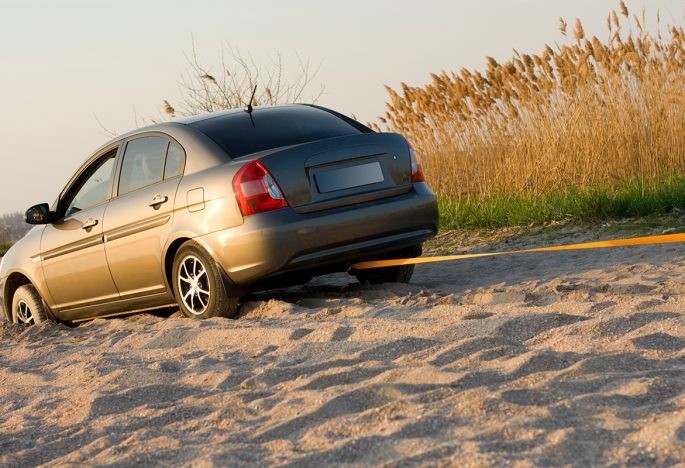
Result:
{"points": [[27, 306], [198, 285]]}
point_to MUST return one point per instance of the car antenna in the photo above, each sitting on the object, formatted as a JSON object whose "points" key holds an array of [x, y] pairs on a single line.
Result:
{"points": [[248, 107]]}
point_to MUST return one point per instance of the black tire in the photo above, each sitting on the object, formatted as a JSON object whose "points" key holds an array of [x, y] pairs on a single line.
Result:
{"points": [[198, 284], [28, 306], [394, 274]]}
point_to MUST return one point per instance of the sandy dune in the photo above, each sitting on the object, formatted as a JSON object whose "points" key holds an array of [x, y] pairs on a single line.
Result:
{"points": [[573, 358]]}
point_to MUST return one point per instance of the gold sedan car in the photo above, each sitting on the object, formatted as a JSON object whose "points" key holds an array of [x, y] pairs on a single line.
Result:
{"points": [[200, 211]]}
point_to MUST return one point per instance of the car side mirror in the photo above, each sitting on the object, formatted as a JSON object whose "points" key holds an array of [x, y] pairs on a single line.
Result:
{"points": [[39, 214]]}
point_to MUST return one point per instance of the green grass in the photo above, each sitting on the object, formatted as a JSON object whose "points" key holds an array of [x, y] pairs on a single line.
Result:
{"points": [[629, 199]]}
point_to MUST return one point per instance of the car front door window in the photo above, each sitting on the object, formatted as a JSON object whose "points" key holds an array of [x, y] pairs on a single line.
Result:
{"points": [[94, 188]]}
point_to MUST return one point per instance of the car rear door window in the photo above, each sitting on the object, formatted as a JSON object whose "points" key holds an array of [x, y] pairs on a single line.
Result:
{"points": [[143, 163], [175, 161]]}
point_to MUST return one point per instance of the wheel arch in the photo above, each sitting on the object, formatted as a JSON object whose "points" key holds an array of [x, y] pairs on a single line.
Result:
{"points": [[169, 257], [14, 281]]}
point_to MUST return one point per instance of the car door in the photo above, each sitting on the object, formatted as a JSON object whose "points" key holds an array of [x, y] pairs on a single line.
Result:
{"points": [[72, 248], [138, 219]]}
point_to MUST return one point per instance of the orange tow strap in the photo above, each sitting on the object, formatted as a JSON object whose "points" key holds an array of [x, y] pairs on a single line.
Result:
{"points": [[665, 239]]}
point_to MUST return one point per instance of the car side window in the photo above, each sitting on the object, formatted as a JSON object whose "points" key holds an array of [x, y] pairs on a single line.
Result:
{"points": [[175, 161], [94, 188], [143, 163]]}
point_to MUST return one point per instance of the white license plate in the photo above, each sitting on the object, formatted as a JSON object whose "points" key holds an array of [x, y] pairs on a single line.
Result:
{"points": [[333, 180]]}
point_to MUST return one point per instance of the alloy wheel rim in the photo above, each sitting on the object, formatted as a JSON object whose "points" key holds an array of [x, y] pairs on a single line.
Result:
{"points": [[193, 285], [24, 313]]}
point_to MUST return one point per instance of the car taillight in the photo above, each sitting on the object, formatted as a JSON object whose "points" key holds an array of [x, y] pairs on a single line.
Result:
{"points": [[416, 173], [256, 190]]}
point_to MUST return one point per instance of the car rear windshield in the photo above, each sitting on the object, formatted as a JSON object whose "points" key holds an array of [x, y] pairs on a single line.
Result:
{"points": [[271, 128]]}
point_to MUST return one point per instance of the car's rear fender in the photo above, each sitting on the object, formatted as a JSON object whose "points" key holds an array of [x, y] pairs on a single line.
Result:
{"points": [[172, 247], [205, 202]]}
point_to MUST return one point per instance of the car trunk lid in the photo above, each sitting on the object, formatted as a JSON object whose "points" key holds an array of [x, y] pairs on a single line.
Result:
{"points": [[341, 171]]}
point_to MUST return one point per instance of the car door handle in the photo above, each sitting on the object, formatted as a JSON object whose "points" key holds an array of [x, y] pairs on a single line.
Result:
{"points": [[157, 201], [90, 223]]}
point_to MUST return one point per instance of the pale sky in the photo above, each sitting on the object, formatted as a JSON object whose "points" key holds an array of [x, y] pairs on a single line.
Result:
{"points": [[64, 62]]}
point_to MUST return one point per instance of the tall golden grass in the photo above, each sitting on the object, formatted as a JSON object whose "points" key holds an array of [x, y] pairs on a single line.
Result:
{"points": [[586, 113]]}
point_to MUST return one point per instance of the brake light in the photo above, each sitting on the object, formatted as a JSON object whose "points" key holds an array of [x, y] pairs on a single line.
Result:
{"points": [[256, 190], [416, 172]]}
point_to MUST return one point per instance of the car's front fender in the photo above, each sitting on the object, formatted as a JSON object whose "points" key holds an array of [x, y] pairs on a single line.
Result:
{"points": [[23, 260]]}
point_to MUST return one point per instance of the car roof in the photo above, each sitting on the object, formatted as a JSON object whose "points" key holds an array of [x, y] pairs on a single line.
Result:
{"points": [[162, 126], [227, 112], [186, 122]]}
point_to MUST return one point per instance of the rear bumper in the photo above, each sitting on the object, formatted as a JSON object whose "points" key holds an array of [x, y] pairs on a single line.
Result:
{"points": [[272, 243]]}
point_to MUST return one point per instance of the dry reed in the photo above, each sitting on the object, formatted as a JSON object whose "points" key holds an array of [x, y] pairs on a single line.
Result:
{"points": [[582, 114]]}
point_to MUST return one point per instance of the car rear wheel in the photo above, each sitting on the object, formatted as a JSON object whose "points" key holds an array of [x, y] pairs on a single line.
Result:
{"points": [[27, 306], [394, 274], [199, 286]]}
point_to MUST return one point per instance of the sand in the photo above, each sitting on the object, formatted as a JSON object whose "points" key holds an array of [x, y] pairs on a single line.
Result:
{"points": [[538, 359]]}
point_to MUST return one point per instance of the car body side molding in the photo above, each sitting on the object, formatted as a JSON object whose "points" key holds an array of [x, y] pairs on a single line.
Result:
{"points": [[74, 247], [136, 228]]}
